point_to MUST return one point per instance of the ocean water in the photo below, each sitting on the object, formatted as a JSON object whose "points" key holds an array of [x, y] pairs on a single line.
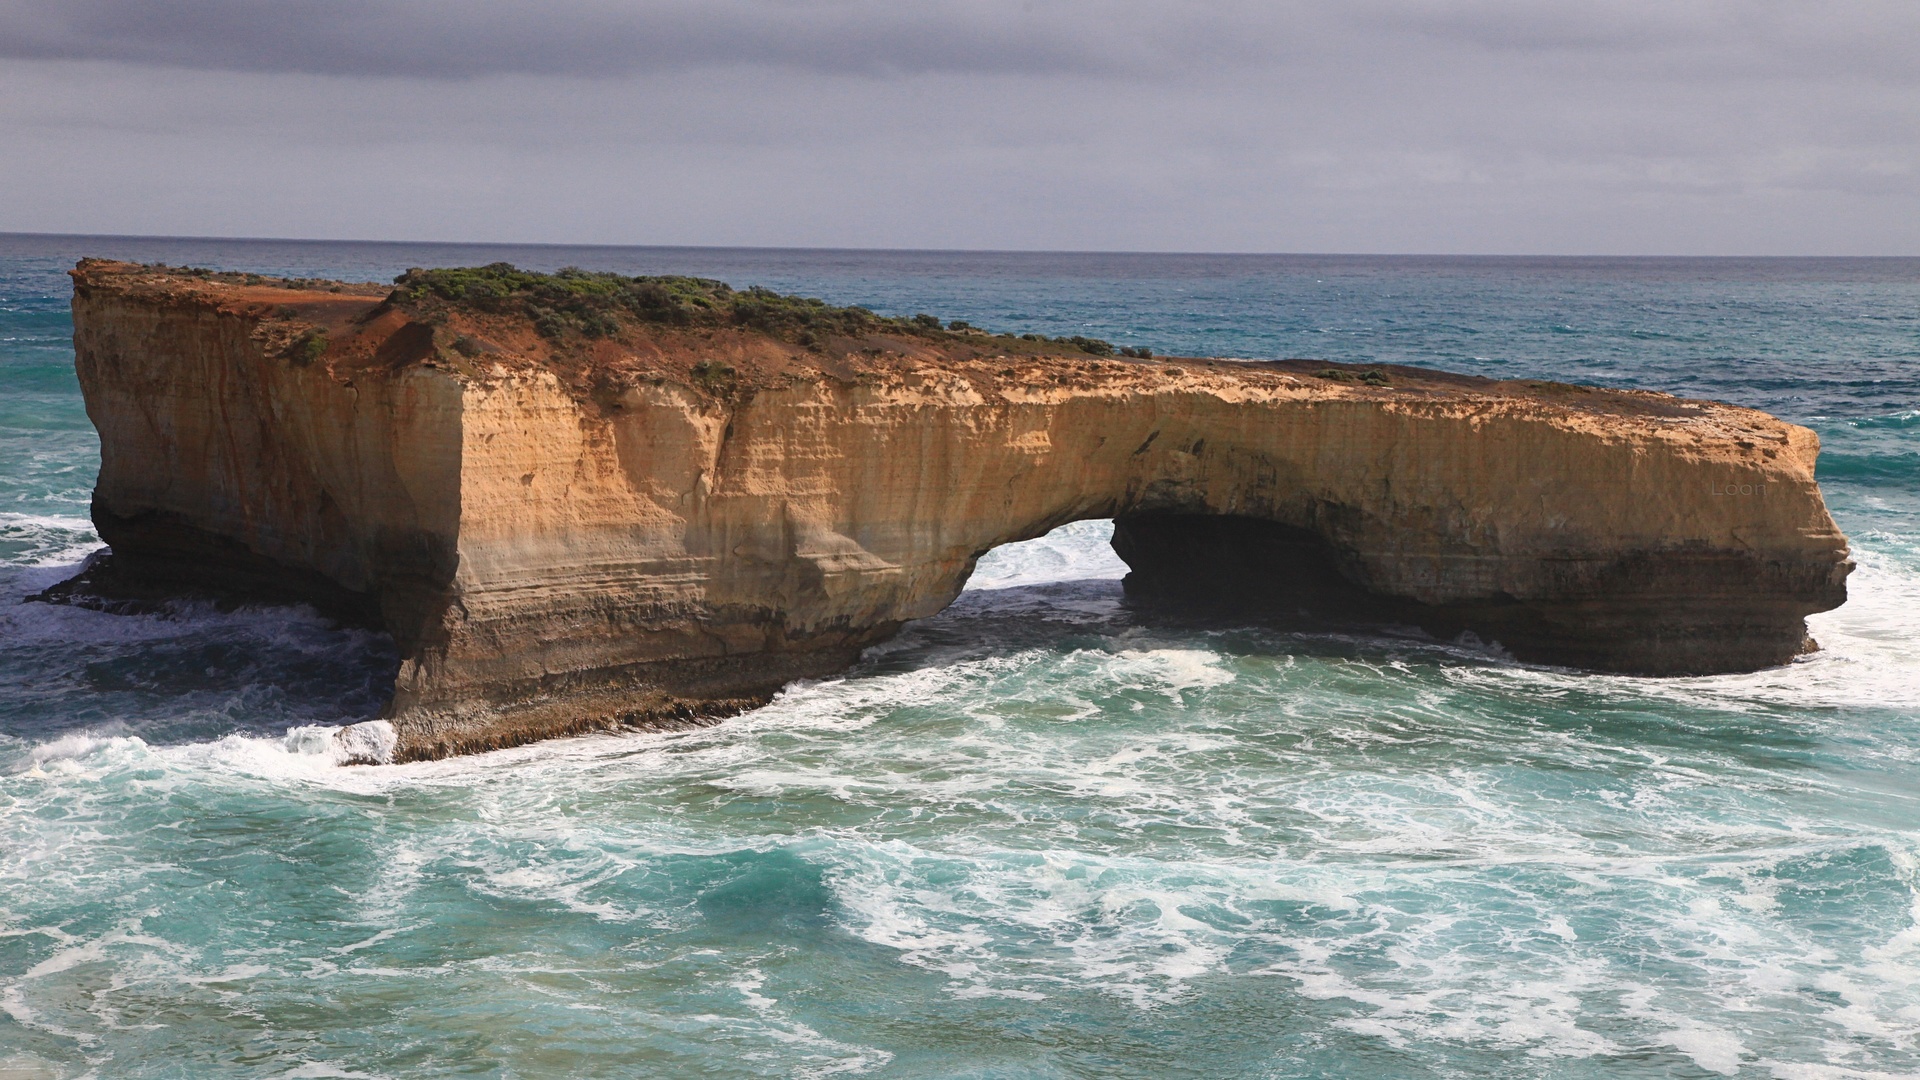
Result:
{"points": [[1033, 836]]}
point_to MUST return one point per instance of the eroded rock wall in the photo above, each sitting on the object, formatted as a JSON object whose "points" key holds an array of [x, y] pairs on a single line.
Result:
{"points": [[221, 459], [557, 554]]}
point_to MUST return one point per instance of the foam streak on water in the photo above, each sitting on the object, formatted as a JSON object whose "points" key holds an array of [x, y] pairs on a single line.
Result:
{"points": [[1034, 836]]}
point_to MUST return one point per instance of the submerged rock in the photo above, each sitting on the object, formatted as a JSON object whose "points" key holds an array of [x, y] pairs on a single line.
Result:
{"points": [[584, 501]]}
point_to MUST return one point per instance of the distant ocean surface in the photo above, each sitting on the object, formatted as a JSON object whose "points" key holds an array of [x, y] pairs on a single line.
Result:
{"points": [[1032, 837]]}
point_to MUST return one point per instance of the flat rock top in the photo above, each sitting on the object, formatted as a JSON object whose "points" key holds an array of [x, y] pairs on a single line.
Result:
{"points": [[600, 333]]}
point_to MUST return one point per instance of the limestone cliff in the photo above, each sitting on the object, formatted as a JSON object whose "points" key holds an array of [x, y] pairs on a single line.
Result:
{"points": [[572, 519]]}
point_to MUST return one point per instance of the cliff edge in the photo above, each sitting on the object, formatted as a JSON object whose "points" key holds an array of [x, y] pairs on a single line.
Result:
{"points": [[580, 501]]}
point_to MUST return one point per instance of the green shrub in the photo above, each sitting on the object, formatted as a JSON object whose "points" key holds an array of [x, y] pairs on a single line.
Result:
{"points": [[572, 303], [1370, 377], [580, 303], [308, 347], [1089, 345], [713, 376]]}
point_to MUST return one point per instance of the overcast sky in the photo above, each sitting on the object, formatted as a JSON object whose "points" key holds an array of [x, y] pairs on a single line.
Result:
{"points": [[1608, 126]]}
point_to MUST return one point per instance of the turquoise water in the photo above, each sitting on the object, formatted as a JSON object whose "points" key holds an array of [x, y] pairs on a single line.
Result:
{"points": [[1033, 837]]}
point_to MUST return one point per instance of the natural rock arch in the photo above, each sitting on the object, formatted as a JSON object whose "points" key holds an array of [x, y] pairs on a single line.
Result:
{"points": [[673, 524]]}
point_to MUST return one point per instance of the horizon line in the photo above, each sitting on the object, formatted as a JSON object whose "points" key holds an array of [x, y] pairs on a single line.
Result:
{"points": [[902, 250]]}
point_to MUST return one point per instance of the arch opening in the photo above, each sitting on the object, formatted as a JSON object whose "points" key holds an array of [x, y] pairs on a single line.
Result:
{"points": [[1077, 551], [1231, 566], [1201, 565]]}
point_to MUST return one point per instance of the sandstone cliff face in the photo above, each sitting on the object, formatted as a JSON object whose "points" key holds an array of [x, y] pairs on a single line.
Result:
{"points": [[621, 536]]}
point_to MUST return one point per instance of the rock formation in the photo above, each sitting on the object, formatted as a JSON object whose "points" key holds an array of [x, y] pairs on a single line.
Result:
{"points": [[575, 512]]}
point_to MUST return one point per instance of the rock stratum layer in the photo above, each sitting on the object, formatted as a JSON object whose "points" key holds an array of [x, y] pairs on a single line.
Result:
{"points": [[651, 522]]}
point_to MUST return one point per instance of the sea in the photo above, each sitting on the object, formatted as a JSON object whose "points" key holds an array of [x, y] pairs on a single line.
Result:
{"points": [[1036, 835]]}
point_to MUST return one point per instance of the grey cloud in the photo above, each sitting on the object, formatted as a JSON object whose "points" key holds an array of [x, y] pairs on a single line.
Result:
{"points": [[1696, 39], [1125, 38], [447, 39], [1522, 26], [1436, 125]]}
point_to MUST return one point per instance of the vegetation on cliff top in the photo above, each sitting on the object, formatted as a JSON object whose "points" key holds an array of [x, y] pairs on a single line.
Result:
{"points": [[238, 277], [579, 303]]}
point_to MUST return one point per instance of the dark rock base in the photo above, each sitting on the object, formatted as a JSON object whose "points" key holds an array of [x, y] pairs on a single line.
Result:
{"points": [[1681, 612]]}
